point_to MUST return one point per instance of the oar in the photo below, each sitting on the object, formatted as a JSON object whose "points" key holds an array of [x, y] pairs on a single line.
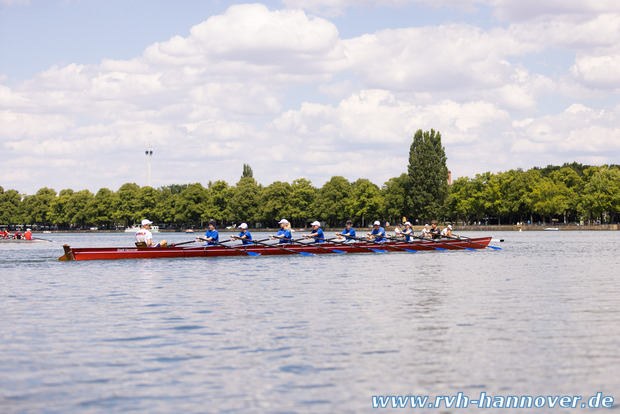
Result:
{"points": [[355, 245], [230, 247], [282, 248], [179, 244], [479, 244], [399, 248], [317, 246], [438, 242]]}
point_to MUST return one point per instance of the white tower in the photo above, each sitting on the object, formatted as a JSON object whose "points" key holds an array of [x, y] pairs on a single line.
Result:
{"points": [[149, 153]]}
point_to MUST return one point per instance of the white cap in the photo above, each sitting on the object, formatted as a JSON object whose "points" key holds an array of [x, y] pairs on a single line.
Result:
{"points": [[426, 225], [450, 226], [243, 226], [377, 223], [27, 229], [315, 223], [283, 221], [407, 223], [146, 221]]}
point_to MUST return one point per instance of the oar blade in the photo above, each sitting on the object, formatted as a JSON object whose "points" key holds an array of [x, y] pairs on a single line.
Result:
{"points": [[305, 253], [410, 251], [378, 251], [337, 251], [253, 254], [494, 247]]}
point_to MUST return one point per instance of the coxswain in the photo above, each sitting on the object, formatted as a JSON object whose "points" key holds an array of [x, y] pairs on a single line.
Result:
{"points": [[348, 232], [144, 235], [434, 230], [408, 232], [317, 233], [377, 233], [212, 237], [285, 235], [244, 235], [28, 234], [447, 232]]}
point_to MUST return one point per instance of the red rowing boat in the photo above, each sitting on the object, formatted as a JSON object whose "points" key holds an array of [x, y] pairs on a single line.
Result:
{"points": [[109, 253]]}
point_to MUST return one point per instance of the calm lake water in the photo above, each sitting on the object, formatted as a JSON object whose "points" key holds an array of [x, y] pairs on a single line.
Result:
{"points": [[307, 334]]}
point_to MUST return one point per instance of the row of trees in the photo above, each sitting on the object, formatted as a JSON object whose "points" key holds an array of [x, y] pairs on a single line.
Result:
{"points": [[572, 192]]}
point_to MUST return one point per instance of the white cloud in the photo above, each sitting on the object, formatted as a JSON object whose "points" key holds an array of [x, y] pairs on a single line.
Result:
{"points": [[244, 87]]}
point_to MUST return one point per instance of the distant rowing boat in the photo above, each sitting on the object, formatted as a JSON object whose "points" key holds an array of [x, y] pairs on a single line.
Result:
{"points": [[24, 241], [111, 253]]}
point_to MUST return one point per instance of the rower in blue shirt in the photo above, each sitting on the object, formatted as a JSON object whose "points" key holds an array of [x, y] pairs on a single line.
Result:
{"points": [[244, 235], [377, 233], [212, 237], [317, 233], [348, 233], [408, 232], [284, 234]]}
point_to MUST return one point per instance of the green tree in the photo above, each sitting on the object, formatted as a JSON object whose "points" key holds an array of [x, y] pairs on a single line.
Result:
{"points": [[332, 201], [601, 198], [192, 203], [276, 202], [428, 175], [247, 171], [100, 209], [10, 203], [218, 207], [58, 208], [394, 198], [364, 202], [146, 204], [245, 201], [37, 208], [76, 210], [127, 211], [303, 194]]}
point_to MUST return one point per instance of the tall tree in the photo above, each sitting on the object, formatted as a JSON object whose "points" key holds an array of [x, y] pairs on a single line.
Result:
{"points": [[247, 171], [428, 175]]}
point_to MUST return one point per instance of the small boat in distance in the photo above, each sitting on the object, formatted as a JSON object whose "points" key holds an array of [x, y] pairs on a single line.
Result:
{"points": [[552, 229], [189, 231], [133, 229]]}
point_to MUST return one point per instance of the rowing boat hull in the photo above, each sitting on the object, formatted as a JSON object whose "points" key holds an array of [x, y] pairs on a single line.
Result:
{"points": [[23, 241], [111, 253]]}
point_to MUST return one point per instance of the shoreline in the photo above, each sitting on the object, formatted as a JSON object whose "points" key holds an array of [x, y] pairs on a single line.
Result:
{"points": [[417, 229]]}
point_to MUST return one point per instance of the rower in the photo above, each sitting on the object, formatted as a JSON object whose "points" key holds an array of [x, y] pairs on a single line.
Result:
{"points": [[244, 235], [398, 230], [348, 233], [212, 237], [434, 230], [377, 233], [408, 232], [284, 234], [28, 234], [145, 237], [317, 233], [447, 232], [426, 232]]}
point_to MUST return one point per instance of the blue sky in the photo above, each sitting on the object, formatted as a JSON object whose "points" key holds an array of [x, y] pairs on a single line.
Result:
{"points": [[300, 88]]}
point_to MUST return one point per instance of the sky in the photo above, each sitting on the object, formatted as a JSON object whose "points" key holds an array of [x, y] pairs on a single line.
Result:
{"points": [[300, 88]]}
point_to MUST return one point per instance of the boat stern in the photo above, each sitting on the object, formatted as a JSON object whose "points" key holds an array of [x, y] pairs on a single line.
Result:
{"points": [[68, 253]]}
